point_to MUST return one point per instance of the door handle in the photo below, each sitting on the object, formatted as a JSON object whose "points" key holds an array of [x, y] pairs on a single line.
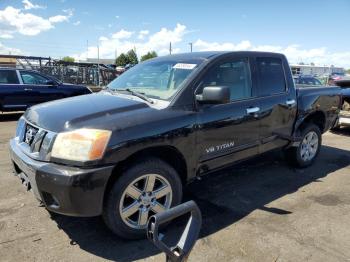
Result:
{"points": [[290, 102], [252, 110], [28, 89]]}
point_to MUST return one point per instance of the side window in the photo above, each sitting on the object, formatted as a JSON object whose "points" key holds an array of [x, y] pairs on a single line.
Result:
{"points": [[235, 75], [31, 78], [8, 77], [271, 76]]}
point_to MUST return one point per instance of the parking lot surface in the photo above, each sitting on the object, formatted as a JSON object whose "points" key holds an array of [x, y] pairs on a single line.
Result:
{"points": [[259, 210]]}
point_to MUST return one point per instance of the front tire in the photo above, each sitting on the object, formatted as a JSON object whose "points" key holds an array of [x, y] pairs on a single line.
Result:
{"points": [[305, 154], [148, 187]]}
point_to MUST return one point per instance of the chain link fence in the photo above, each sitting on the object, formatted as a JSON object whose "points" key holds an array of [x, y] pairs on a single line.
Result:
{"points": [[90, 74]]}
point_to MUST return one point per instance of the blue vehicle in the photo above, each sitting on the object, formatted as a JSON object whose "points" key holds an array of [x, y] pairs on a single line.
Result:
{"points": [[20, 89], [303, 81]]}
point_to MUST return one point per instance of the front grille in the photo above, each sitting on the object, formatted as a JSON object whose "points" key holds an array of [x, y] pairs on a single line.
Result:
{"points": [[29, 134], [34, 141]]}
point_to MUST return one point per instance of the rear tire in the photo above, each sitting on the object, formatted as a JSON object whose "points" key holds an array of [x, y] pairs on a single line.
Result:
{"points": [[149, 186], [306, 153]]}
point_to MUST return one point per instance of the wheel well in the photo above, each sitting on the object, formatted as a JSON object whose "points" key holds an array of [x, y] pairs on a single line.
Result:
{"points": [[168, 154], [317, 118]]}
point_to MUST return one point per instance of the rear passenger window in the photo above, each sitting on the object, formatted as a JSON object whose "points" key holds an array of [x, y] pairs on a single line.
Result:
{"points": [[271, 76], [8, 77], [233, 74], [31, 78]]}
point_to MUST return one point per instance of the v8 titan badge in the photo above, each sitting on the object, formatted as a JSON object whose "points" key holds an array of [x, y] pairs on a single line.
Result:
{"points": [[221, 147]]}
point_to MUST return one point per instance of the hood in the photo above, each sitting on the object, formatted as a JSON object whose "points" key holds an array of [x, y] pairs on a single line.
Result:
{"points": [[74, 86], [82, 111]]}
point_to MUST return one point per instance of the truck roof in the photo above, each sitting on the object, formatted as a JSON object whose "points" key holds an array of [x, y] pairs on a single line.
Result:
{"points": [[213, 54]]}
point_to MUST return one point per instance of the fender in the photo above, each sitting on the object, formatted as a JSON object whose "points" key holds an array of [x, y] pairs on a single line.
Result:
{"points": [[178, 135]]}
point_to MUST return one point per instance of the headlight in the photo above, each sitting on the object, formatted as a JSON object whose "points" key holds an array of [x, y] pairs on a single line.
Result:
{"points": [[20, 129], [81, 145]]}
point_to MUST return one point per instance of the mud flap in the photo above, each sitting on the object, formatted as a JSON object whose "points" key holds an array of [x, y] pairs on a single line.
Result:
{"points": [[182, 249]]}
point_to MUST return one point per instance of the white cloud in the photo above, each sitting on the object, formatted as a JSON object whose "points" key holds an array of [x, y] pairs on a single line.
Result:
{"points": [[14, 20], [124, 40], [117, 16], [68, 11], [58, 18], [142, 34], [6, 36], [226, 46], [294, 53], [164, 36], [122, 34], [62, 18], [29, 5], [9, 50], [103, 38], [76, 23]]}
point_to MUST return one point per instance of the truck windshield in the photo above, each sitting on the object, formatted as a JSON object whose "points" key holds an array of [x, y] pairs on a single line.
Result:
{"points": [[156, 79]]}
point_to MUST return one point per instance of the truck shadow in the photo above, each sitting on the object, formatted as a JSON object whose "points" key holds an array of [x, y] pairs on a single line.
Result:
{"points": [[344, 131], [6, 117], [224, 198]]}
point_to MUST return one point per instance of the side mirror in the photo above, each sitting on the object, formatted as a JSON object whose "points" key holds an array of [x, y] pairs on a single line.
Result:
{"points": [[214, 95], [50, 82]]}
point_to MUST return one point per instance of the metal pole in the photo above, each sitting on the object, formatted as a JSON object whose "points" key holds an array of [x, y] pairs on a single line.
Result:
{"points": [[191, 44], [98, 64], [170, 49]]}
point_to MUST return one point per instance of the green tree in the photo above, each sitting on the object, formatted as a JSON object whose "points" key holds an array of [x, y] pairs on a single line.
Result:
{"points": [[68, 59], [122, 60], [348, 71], [149, 55], [132, 57]]}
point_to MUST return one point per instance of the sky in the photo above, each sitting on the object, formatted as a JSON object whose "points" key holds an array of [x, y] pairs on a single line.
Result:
{"points": [[305, 31]]}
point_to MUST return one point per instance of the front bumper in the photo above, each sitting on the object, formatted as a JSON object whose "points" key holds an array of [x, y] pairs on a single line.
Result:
{"points": [[63, 189], [344, 118]]}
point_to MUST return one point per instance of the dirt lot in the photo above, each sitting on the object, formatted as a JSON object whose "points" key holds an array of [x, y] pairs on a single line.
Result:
{"points": [[261, 210]]}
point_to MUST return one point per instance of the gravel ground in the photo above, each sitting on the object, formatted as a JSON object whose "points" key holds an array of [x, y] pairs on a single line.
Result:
{"points": [[260, 210]]}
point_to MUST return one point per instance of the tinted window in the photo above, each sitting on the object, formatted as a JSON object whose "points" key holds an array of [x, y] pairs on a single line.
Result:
{"points": [[271, 76], [309, 81], [33, 78], [8, 77], [235, 75]]}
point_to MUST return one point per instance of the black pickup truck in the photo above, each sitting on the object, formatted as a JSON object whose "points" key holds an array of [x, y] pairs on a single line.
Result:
{"points": [[20, 89], [127, 151]]}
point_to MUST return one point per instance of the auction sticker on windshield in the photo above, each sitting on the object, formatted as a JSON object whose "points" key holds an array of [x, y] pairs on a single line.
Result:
{"points": [[184, 66]]}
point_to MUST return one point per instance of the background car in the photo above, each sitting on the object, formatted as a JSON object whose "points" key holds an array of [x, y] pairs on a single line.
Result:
{"points": [[307, 81], [20, 89]]}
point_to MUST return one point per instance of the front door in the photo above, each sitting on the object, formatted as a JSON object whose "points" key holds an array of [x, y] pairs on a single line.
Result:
{"points": [[228, 132], [13, 96], [38, 89]]}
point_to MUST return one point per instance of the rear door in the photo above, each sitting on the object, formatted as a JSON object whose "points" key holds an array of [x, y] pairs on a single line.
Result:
{"points": [[12, 94], [37, 87], [228, 132], [278, 105]]}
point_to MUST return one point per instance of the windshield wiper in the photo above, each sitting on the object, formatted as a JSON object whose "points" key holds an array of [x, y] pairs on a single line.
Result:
{"points": [[137, 94]]}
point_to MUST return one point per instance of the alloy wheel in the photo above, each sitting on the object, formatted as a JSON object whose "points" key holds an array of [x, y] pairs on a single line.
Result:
{"points": [[144, 197], [309, 146]]}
